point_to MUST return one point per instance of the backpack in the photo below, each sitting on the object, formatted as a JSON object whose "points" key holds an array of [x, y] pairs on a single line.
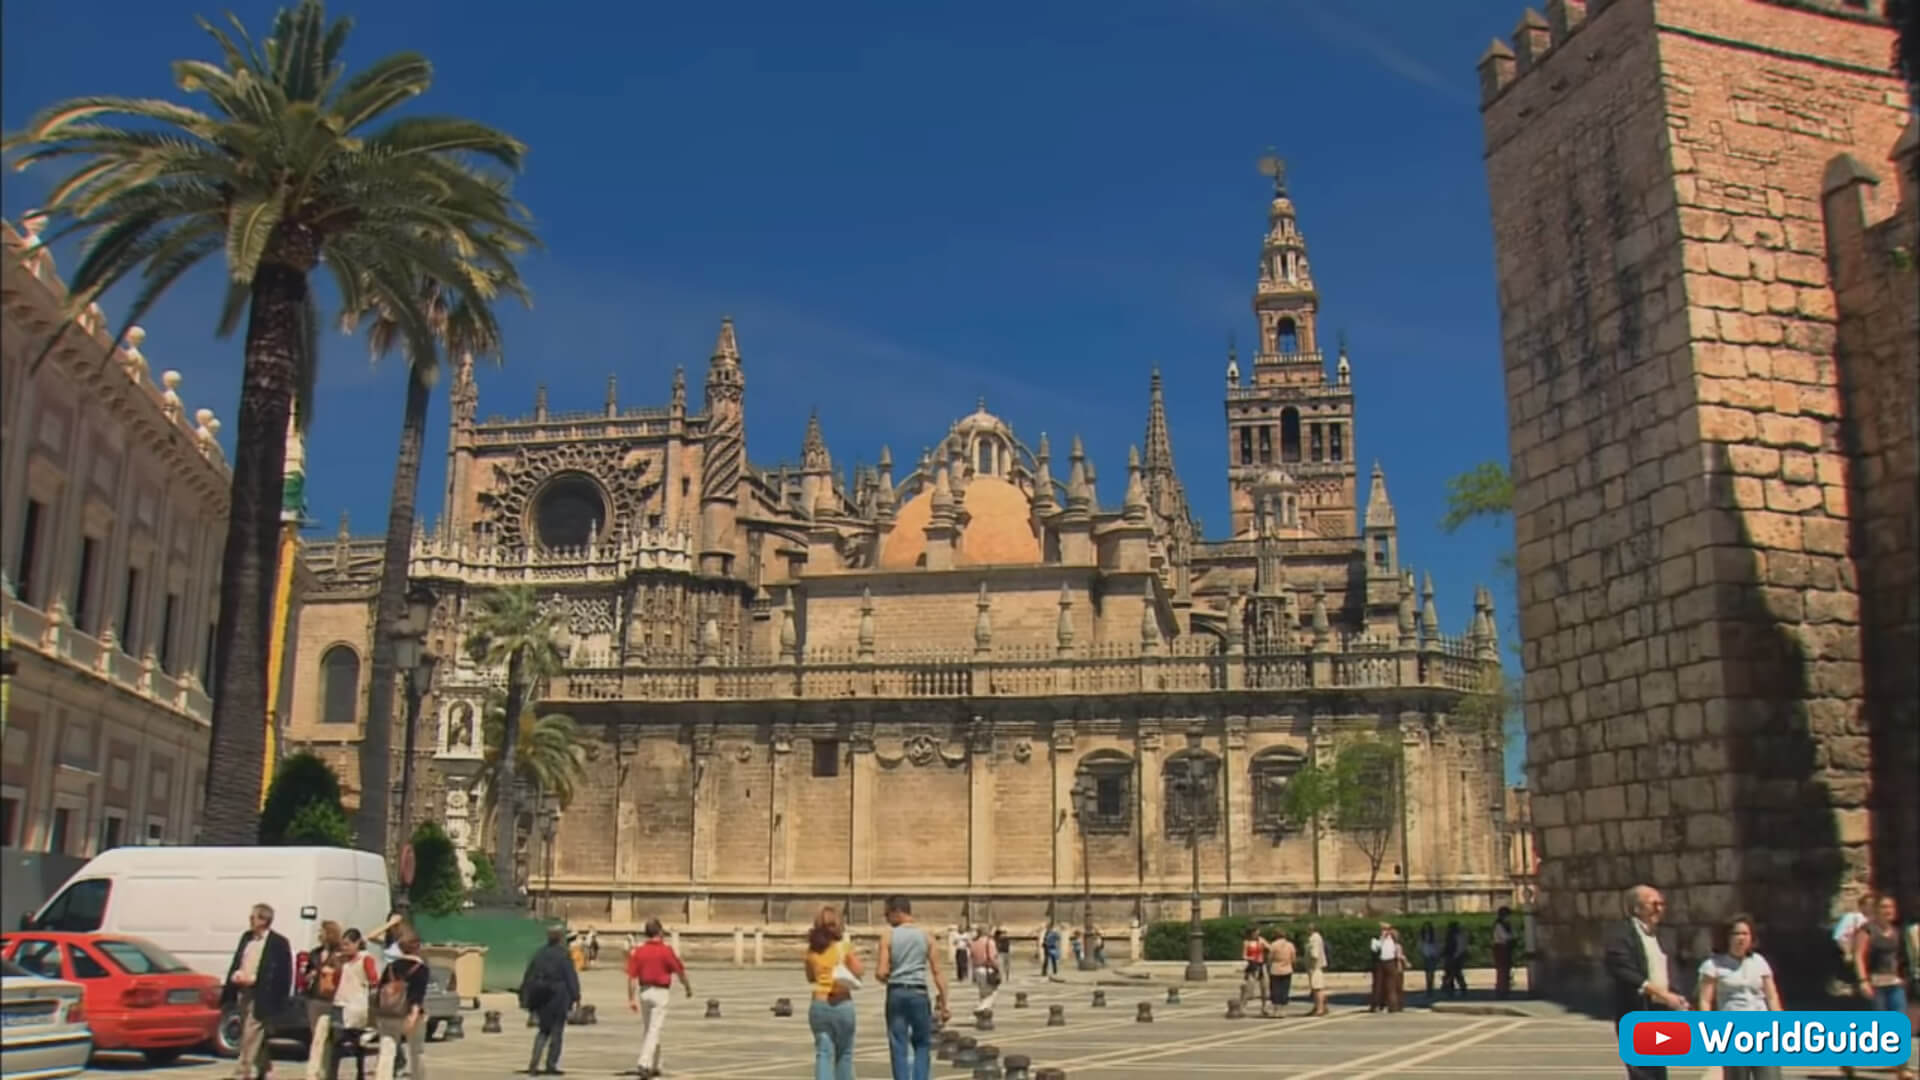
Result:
{"points": [[391, 1001]]}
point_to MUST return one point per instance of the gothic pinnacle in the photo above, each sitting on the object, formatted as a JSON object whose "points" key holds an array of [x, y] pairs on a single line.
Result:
{"points": [[1159, 441], [726, 347]]}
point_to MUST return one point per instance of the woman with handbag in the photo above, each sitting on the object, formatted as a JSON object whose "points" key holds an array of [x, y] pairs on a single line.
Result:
{"points": [[834, 971], [319, 977], [400, 1009]]}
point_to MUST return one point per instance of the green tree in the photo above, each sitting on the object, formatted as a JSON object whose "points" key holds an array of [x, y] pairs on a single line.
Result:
{"points": [[1485, 493], [465, 328], [484, 881], [1357, 794], [436, 888], [510, 630], [549, 757], [301, 780], [285, 172], [320, 824]]}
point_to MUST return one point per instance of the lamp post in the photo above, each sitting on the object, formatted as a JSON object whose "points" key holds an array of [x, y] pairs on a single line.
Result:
{"points": [[549, 825], [1195, 785], [416, 663], [1086, 800]]}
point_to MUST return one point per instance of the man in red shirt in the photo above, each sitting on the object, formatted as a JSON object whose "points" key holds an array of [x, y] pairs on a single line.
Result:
{"points": [[651, 968]]}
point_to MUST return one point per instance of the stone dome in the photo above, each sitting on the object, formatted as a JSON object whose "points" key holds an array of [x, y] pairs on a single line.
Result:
{"points": [[999, 528]]}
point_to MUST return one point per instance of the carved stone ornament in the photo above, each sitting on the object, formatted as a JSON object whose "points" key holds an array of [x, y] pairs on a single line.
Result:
{"points": [[1237, 732], [922, 749], [783, 740], [621, 469], [584, 614], [1149, 735], [743, 753], [456, 801], [702, 743], [980, 736], [1023, 751]]}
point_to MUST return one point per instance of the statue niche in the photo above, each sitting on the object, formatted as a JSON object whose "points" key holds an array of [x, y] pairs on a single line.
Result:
{"points": [[566, 495]]}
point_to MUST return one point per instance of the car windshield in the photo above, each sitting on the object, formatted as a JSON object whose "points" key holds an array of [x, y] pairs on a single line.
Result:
{"points": [[13, 970], [140, 957]]}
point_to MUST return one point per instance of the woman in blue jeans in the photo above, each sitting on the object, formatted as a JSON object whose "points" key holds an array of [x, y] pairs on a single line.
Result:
{"points": [[909, 965], [1882, 966], [830, 1017]]}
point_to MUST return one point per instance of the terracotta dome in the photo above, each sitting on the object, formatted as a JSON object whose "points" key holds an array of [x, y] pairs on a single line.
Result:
{"points": [[999, 528]]}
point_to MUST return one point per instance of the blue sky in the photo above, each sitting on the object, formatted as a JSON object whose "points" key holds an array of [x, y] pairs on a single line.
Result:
{"points": [[907, 207]]}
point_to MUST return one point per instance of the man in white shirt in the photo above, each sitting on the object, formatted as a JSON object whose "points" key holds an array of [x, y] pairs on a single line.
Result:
{"points": [[1389, 967], [1638, 967]]}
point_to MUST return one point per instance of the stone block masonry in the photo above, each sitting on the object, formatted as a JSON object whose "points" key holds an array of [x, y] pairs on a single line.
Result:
{"points": [[1686, 498]]}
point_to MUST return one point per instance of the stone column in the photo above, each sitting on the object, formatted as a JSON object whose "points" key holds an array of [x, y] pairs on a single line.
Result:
{"points": [[979, 812], [1326, 850], [1237, 806], [860, 835], [779, 836], [1066, 829], [1417, 781], [626, 821], [706, 821], [1153, 868]]}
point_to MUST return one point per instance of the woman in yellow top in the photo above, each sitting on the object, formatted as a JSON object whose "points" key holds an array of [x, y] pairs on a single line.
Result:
{"points": [[830, 962]]}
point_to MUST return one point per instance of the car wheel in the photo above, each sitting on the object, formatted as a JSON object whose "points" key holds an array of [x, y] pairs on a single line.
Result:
{"points": [[163, 1057], [226, 1038]]}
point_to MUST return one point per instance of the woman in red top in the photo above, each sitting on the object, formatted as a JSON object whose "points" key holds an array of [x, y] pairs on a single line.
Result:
{"points": [[1254, 951]]}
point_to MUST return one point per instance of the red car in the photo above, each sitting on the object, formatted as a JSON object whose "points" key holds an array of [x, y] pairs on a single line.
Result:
{"points": [[138, 996]]}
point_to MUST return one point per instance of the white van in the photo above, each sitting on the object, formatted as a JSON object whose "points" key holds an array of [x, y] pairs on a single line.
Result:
{"points": [[194, 901]]}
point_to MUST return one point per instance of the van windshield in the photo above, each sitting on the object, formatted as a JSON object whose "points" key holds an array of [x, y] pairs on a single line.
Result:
{"points": [[137, 957], [78, 910]]}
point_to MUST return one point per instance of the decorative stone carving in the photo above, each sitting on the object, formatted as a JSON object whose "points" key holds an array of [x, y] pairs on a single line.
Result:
{"points": [[979, 736], [584, 614], [1063, 738], [922, 749], [782, 739], [743, 753], [1023, 751], [623, 471], [702, 744]]}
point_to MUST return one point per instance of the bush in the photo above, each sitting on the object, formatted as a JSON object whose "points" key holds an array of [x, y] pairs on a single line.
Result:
{"points": [[436, 888], [1347, 936], [319, 824], [300, 780], [483, 879]]}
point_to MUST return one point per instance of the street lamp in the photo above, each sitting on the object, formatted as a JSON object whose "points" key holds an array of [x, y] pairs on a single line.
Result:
{"points": [[411, 656], [1086, 801], [1194, 787], [549, 825]]}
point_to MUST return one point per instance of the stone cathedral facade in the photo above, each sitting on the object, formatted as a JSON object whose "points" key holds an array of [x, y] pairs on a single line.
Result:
{"points": [[798, 686]]}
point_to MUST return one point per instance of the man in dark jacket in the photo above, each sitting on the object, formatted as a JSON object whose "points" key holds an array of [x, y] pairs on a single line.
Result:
{"points": [[259, 985], [1638, 968], [549, 990]]}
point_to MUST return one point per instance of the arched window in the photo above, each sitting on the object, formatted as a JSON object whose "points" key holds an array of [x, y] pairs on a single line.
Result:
{"points": [[569, 512], [460, 733], [1286, 337], [339, 685], [1192, 793], [983, 463], [1289, 434], [1270, 772], [1109, 774]]}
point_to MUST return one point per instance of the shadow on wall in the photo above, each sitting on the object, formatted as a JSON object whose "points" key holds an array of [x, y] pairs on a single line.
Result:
{"points": [[1776, 785]]}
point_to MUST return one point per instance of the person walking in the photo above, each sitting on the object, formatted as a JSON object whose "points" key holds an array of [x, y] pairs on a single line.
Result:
{"points": [[1003, 945], [1280, 959], [1882, 966], [1453, 958], [1389, 965], [548, 990], [1503, 953], [259, 985], [319, 977], [356, 974], [957, 941], [1738, 979], [1429, 954], [985, 963], [1050, 951], [1316, 960], [1253, 955], [400, 1009], [833, 970], [651, 968], [1638, 969], [909, 965]]}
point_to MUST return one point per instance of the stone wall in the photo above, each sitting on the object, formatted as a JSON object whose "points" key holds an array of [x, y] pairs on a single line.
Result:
{"points": [[1688, 605]]}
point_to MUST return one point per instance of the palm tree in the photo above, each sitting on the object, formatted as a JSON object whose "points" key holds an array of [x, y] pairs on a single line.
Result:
{"points": [[283, 174], [509, 628], [548, 757], [466, 329]]}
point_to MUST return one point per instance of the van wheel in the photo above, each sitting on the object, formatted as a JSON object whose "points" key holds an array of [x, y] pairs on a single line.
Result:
{"points": [[226, 1038], [162, 1057]]}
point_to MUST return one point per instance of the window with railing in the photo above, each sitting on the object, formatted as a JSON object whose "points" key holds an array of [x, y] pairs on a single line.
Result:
{"points": [[1269, 775], [1107, 775], [1192, 784]]}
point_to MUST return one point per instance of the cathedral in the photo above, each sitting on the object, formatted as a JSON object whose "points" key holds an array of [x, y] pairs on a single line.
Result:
{"points": [[958, 677]]}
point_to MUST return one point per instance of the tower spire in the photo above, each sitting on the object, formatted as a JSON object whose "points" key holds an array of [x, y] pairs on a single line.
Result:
{"points": [[1284, 300], [1159, 458]]}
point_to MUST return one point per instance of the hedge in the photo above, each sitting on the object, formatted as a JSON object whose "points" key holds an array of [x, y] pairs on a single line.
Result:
{"points": [[1347, 936]]}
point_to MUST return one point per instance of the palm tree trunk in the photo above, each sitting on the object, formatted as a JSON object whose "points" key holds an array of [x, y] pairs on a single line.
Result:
{"points": [[506, 803], [376, 751], [238, 743]]}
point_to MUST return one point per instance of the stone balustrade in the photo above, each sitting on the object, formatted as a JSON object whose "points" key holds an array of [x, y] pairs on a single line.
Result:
{"points": [[1461, 665], [611, 559], [49, 634]]}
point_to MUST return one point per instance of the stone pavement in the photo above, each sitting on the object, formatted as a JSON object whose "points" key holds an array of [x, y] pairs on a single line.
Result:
{"points": [[1191, 1039]]}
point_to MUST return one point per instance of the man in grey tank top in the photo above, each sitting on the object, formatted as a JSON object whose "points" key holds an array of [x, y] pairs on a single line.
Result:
{"points": [[909, 965]]}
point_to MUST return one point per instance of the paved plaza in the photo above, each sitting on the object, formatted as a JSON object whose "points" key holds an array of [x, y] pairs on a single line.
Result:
{"points": [[1191, 1039]]}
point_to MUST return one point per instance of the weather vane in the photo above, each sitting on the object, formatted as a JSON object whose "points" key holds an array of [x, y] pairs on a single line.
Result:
{"points": [[1275, 166]]}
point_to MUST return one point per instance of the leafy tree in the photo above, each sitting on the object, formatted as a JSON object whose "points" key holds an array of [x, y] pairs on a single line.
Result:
{"points": [[510, 630], [1357, 794], [436, 888], [549, 756], [484, 881], [1485, 493], [300, 781], [320, 824], [284, 173]]}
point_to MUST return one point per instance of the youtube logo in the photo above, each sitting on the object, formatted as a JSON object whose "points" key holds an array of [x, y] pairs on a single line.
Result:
{"points": [[1662, 1037]]}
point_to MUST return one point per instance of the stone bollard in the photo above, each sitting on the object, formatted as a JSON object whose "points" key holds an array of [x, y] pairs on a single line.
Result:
{"points": [[1236, 1009], [983, 1019], [1050, 1074], [990, 1071], [1056, 1016], [1144, 1014], [989, 1055], [739, 947], [456, 1028], [759, 947], [713, 1008], [949, 1039], [966, 1052], [1018, 1067], [1173, 995], [1099, 999], [491, 1024], [1019, 999], [782, 1007]]}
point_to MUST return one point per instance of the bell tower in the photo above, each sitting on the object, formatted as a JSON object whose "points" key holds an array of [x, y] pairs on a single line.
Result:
{"points": [[1293, 413]]}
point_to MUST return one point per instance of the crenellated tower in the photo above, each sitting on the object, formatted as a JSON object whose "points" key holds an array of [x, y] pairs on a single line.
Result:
{"points": [[1293, 414]]}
